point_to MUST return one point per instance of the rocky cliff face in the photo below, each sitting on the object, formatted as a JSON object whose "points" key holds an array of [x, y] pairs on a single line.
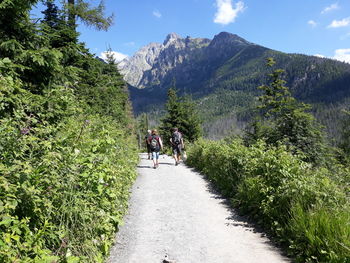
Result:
{"points": [[152, 63], [133, 68]]}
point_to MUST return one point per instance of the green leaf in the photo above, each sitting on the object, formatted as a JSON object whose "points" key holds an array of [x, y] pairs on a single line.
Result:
{"points": [[73, 259]]}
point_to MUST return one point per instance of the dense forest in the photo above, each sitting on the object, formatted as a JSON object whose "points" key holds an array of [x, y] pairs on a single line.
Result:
{"points": [[323, 83], [67, 149]]}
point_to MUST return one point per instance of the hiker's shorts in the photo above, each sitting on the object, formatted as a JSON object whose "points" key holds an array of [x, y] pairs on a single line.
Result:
{"points": [[148, 148], [155, 155], [177, 150]]}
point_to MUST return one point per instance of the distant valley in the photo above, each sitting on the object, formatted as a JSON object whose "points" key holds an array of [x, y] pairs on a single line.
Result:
{"points": [[223, 74]]}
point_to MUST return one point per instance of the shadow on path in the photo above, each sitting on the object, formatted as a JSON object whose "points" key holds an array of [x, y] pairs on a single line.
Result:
{"points": [[144, 166], [236, 219]]}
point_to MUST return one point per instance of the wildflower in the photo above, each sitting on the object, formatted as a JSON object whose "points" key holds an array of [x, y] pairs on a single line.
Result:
{"points": [[25, 131]]}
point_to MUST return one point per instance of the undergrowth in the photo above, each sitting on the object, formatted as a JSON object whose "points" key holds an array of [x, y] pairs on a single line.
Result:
{"points": [[307, 209]]}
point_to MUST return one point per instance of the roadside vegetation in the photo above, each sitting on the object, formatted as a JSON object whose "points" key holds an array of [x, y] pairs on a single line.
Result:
{"points": [[67, 147], [283, 174]]}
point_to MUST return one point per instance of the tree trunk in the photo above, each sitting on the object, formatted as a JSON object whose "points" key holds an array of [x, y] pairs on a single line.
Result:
{"points": [[71, 13]]}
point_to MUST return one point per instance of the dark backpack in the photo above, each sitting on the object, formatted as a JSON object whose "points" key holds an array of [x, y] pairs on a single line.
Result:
{"points": [[154, 144], [176, 138]]}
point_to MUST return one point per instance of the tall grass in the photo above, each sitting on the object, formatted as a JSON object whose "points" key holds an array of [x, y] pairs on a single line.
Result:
{"points": [[305, 208]]}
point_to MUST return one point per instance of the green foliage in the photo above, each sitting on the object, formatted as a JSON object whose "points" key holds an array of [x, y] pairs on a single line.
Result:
{"points": [[51, 14], [91, 16], [67, 153], [66, 194], [142, 128], [305, 208], [181, 113], [345, 133], [285, 121]]}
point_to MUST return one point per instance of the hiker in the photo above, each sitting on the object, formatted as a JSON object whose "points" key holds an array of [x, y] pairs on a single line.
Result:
{"points": [[177, 144], [156, 145], [147, 137]]}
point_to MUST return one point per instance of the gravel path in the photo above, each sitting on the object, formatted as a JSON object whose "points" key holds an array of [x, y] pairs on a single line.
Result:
{"points": [[174, 215]]}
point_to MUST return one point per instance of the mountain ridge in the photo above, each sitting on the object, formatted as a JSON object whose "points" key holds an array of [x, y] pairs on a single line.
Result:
{"points": [[226, 71]]}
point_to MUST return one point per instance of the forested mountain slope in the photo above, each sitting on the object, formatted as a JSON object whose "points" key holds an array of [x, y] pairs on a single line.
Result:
{"points": [[223, 75]]}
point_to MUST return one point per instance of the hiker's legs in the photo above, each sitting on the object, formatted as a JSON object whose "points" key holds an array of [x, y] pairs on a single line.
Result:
{"points": [[149, 151], [175, 154], [175, 157], [155, 157]]}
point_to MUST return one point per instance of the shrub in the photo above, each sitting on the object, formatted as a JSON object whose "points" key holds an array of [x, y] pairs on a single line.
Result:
{"points": [[69, 200], [306, 208]]}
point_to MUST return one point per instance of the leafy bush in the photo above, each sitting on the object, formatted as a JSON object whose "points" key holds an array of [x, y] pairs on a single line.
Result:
{"points": [[67, 157], [64, 184], [304, 207]]}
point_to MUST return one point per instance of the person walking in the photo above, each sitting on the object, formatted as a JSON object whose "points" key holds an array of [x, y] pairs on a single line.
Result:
{"points": [[156, 145], [177, 144], [147, 137]]}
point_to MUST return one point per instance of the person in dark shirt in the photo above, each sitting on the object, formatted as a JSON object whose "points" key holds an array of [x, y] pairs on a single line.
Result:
{"points": [[148, 135], [156, 145], [177, 144]]}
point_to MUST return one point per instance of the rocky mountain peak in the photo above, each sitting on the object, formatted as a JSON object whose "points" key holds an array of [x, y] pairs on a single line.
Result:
{"points": [[171, 38], [133, 67], [154, 64], [225, 38]]}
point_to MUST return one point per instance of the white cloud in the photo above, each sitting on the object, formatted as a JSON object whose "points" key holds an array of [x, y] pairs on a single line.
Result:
{"points": [[157, 14], [330, 8], [312, 23], [116, 55], [226, 13], [342, 55], [319, 55], [340, 23]]}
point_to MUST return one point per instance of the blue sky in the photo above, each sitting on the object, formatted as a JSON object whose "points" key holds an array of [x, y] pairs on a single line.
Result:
{"points": [[296, 26]]}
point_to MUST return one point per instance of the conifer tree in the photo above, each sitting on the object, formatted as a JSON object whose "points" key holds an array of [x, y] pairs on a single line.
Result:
{"points": [[345, 133], [286, 121], [51, 16], [91, 16], [142, 127], [181, 113]]}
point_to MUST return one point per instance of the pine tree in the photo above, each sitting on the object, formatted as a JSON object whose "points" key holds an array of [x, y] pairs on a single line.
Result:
{"points": [[91, 16], [142, 128], [190, 123], [51, 14], [182, 114], [345, 133], [286, 121]]}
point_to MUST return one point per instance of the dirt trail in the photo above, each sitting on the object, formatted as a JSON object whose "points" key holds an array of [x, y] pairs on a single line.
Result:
{"points": [[174, 214]]}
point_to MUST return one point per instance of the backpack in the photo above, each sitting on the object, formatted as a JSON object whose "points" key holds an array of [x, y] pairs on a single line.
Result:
{"points": [[154, 143], [176, 138]]}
